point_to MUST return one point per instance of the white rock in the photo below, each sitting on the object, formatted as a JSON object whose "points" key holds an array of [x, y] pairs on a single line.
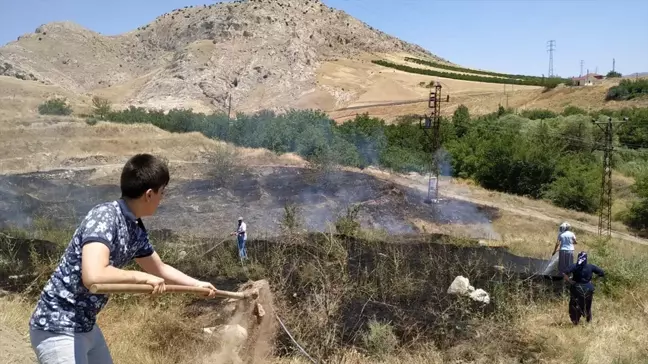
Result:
{"points": [[460, 286], [480, 295]]}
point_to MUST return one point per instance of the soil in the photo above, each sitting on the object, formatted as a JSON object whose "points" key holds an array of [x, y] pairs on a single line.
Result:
{"points": [[14, 349]]}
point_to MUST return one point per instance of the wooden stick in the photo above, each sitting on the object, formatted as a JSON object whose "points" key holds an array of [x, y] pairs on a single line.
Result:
{"points": [[105, 288]]}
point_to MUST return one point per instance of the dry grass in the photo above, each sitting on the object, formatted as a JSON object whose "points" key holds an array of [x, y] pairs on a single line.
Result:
{"points": [[46, 142], [154, 330]]}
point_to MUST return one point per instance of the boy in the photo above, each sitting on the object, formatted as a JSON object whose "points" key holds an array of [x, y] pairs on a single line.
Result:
{"points": [[63, 326]]}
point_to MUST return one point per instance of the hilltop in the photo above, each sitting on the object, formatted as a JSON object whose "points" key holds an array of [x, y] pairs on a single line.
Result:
{"points": [[262, 53]]}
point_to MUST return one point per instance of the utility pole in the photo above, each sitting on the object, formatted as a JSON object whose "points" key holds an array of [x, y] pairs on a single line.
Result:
{"points": [[605, 204], [229, 106], [613, 64], [552, 46], [433, 123], [581, 72]]}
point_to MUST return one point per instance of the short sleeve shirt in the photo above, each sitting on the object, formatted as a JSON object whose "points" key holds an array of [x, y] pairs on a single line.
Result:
{"points": [[65, 304], [567, 240]]}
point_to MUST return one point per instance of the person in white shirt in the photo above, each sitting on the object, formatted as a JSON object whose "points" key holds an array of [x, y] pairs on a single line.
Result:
{"points": [[241, 238], [565, 242]]}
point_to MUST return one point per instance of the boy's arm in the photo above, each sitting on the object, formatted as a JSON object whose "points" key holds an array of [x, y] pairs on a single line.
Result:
{"points": [[96, 269], [154, 265]]}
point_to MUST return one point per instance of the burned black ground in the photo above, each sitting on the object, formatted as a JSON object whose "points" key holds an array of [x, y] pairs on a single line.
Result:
{"points": [[209, 208]]}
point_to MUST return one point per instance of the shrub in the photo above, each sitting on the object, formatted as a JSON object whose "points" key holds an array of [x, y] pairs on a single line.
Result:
{"points": [[628, 89], [613, 74], [637, 216], [538, 114], [576, 186], [56, 106], [573, 110], [348, 224], [379, 340]]}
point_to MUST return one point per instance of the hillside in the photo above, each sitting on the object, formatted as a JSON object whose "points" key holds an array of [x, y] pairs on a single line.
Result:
{"points": [[197, 56]]}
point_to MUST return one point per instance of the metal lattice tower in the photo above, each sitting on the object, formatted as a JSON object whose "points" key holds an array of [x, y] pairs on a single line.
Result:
{"points": [[605, 203], [433, 122], [581, 64], [551, 48]]}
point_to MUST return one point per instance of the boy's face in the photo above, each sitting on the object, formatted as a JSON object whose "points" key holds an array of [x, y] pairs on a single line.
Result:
{"points": [[152, 200]]}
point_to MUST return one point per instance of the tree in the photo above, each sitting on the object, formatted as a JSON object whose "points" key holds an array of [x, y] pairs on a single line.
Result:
{"points": [[461, 120], [636, 216], [100, 107], [613, 74]]}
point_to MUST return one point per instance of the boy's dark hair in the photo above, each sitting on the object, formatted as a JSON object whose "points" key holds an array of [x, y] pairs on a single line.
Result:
{"points": [[141, 172]]}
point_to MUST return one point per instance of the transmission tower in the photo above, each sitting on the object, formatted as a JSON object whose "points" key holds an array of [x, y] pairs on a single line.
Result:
{"points": [[433, 123], [581, 72], [551, 45], [605, 203]]}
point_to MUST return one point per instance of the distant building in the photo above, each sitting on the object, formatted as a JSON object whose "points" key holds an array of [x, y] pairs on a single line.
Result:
{"points": [[588, 80]]}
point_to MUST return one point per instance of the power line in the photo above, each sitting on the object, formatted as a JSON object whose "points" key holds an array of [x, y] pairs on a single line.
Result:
{"points": [[552, 46]]}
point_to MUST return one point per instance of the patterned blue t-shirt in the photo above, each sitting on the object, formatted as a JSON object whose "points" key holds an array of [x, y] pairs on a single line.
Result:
{"points": [[66, 305]]}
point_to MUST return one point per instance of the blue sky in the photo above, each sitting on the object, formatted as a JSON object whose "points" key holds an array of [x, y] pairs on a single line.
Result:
{"points": [[504, 36]]}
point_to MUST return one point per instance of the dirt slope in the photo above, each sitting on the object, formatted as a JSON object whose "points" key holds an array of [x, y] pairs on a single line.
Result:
{"points": [[261, 52], [481, 100]]}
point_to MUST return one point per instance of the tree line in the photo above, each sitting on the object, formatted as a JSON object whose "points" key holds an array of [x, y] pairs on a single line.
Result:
{"points": [[476, 72], [538, 153], [547, 82]]}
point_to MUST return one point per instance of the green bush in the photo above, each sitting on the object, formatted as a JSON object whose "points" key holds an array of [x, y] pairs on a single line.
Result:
{"points": [[613, 74], [576, 185], [380, 339], [550, 157], [628, 89], [56, 106], [573, 110], [636, 216], [538, 114]]}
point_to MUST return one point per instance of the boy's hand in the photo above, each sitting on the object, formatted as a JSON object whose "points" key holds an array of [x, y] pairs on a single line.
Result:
{"points": [[157, 283], [208, 285]]}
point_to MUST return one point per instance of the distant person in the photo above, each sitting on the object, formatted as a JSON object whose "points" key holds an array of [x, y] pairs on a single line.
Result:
{"points": [[63, 325], [241, 238], [582, 289], [565, 245]]}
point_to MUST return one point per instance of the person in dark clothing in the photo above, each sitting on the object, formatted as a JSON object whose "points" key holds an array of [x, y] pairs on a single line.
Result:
{"points": [[582, 289]]}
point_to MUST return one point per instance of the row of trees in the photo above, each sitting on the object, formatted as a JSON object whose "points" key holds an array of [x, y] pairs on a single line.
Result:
{"points": [[538, 154], [476, 72], [527, 80]]}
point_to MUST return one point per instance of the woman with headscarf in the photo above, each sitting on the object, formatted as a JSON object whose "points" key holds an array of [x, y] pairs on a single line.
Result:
{"points": [[582, 289], [565, 242]]}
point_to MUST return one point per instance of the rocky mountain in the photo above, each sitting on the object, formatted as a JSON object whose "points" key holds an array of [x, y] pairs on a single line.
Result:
{"points": [[259, 52]]}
